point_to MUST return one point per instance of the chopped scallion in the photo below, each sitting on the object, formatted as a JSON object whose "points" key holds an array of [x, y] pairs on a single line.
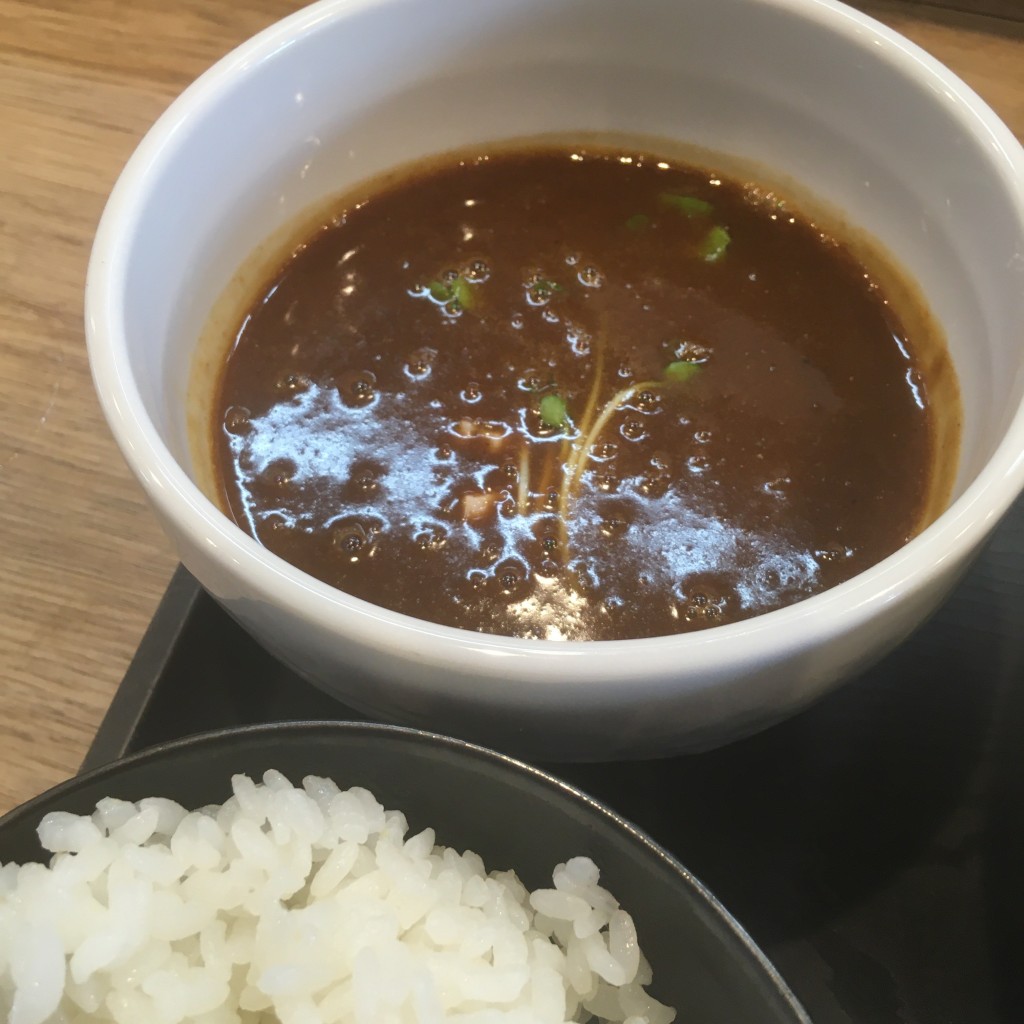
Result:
{"points": [[456, 291], [638, 222], [680, 371], [553, 410], [715, 242], [462, 293], [689, 206]]}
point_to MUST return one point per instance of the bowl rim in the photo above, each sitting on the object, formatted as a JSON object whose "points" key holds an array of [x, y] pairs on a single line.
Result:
{"points": [[509, 767], [838, 610]]}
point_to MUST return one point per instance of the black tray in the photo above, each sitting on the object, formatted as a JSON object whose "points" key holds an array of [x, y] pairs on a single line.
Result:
{"points": [[873, 845]]}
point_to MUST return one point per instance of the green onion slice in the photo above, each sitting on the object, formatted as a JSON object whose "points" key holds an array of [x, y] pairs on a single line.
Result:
{"points": [[689, 206], [462, 293], [680, 371], [553, 410], [458, 290], [714, 244]]}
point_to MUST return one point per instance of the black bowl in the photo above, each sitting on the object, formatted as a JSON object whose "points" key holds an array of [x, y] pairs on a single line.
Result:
{"points": [[513, 815]]}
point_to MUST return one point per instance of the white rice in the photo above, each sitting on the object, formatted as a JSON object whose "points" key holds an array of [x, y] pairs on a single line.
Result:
{"points": [[303, 905]]}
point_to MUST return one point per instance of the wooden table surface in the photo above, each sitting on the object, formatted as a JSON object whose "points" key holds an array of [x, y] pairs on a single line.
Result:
{"points": [[82, 561]]}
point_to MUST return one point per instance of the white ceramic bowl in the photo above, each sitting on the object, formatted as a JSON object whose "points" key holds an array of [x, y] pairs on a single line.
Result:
{"points": [[346, 88]]}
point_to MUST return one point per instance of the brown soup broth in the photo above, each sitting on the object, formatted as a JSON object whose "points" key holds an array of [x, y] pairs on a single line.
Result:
{"points": [[574, 394]]}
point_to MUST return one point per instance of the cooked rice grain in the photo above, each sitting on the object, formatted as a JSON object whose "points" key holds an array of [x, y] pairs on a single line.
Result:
{"points": [[306, 905]]}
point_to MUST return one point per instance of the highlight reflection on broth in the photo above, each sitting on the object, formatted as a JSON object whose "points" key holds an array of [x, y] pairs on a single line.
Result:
{"points": [[575, 395]]}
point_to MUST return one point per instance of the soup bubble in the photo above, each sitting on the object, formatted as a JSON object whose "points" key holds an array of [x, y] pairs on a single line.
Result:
{"points": [[355, 538], [293, 383], [510, 575], [833, 553], [647, 401], [420, 363], [279, 473], [633, 430], [357, 388], [237, 420], [478, 270], [704, 607], [431, 537]]}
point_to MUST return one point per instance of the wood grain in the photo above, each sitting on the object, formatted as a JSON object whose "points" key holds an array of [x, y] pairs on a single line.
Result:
{"points": [[82, 562]]}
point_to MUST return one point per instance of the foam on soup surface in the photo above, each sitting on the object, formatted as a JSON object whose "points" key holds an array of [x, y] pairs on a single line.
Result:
{"points": [[578, 394]]}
